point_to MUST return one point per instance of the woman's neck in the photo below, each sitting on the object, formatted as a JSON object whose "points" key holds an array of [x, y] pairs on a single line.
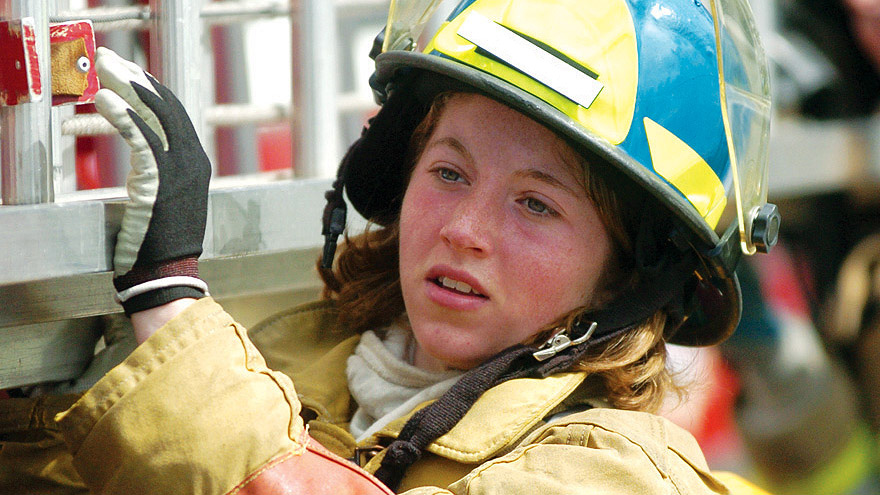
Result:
{"points": [[423, 360], [417, 356]]}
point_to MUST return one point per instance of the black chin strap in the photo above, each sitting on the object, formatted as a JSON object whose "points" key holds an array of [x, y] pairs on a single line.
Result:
{"points": [[519, 361]]}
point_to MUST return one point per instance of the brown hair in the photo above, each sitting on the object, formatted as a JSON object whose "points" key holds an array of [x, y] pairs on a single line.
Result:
{"points": [[365, 284]]}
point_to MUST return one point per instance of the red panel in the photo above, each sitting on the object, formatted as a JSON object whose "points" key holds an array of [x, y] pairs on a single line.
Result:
{"points": [[19, 66]]}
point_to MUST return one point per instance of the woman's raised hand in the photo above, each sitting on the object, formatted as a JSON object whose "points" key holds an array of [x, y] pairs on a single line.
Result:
{"points": [[163, 226]]}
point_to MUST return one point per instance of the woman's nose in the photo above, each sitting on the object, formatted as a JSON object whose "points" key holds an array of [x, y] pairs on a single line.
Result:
{"points": [[471, 226]]}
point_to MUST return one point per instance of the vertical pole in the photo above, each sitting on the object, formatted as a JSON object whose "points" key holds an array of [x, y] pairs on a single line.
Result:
{"points": [[315, 89], [113, 148], [63, 147], [296, 86], [236, 146], [176, 52], [25, 129]]}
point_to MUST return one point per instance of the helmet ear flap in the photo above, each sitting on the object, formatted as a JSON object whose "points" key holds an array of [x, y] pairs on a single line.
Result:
{"points": [[373, 168], [653, 249]]}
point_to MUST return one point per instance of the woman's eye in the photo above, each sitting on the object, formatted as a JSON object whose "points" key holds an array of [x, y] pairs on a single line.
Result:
{"points": [[449, 175], [538, 206]]}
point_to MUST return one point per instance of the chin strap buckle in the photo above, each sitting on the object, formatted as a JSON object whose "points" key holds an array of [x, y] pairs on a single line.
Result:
{"points": [[561, 341]]}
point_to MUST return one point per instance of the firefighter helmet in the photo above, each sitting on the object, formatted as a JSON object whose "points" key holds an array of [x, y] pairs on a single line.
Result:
{"points": [[673, 94]]}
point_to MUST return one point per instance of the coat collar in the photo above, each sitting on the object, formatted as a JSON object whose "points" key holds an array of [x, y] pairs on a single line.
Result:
{"points": [[499, 418]]}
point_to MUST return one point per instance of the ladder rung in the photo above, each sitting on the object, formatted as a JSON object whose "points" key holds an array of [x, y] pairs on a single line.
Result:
{"points": [[138, 17], [92, 124]]}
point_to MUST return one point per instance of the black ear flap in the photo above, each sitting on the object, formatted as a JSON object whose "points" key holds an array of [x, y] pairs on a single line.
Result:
{"points": [[374, 168], [654, 250]]}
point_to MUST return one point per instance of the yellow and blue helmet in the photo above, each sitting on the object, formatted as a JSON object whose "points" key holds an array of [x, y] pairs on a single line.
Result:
{"points": [[671, 93]]}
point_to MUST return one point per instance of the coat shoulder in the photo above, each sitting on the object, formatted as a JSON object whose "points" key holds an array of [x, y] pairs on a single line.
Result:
{"points": [[639, 436]]}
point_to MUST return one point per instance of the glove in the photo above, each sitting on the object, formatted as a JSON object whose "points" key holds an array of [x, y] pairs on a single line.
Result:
{"points": [[157, 249]]}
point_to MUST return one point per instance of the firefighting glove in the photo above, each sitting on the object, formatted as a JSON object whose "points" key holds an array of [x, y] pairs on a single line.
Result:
{"points": [[163, 225]]}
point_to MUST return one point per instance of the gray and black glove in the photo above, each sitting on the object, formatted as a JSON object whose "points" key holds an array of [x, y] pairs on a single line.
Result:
{"points": [[157, 250]]}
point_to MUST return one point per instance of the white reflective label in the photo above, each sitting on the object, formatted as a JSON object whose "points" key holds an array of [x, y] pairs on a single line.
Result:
{"points": [[530, 59]]}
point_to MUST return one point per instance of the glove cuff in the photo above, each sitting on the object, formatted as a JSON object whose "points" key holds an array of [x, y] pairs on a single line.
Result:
{"points": [[146, 287]]}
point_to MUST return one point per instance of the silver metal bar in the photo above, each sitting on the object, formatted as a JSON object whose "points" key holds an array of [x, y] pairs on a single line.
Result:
{"points": [[233, 12], [77, 237], [115, 154], [261, 239], [315, 85], [25, 129], [44, 241], [59, 339], [46, 352], [177, 54], [239, 140], [63, 147], [239, 114], [227, 114], [63, 152], [91, 294], [106, 18]]}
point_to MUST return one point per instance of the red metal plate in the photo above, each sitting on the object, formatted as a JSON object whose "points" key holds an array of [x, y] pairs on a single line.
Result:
{"points": [[19, 65]]}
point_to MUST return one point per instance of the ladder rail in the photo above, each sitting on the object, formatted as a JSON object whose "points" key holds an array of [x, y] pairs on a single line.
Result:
{"points": [[25, 129]]}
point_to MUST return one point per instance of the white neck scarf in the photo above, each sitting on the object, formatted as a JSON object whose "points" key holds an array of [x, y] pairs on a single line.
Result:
{"points": [[385, 385]]}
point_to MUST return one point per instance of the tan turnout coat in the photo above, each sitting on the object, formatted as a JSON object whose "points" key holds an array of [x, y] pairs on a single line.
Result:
{"points": [[197, 409]]}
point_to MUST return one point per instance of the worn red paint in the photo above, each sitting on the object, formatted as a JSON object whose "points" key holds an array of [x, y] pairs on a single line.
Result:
{"points": [[19, 66], [70, 31], [20, 69]]}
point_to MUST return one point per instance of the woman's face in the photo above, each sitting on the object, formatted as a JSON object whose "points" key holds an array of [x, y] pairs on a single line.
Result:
{"points": [[498, 238]]}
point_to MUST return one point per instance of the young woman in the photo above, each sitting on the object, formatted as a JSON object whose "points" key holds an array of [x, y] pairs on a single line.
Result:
{"points": [[544, 181]]}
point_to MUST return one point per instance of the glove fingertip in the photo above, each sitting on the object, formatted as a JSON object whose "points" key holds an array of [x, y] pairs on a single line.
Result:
{"points": [[113, 71]]}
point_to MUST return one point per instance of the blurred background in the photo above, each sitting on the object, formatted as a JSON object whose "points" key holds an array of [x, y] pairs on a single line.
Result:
{"points": [[278, 89]]}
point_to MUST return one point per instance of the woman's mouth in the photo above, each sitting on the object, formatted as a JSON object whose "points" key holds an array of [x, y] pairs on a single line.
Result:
{"points": [[455, 289], [457, 286]]}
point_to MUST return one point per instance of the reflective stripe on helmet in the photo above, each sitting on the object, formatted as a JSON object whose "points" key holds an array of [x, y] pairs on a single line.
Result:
{"points": [[530, 59], [679, 164]]}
